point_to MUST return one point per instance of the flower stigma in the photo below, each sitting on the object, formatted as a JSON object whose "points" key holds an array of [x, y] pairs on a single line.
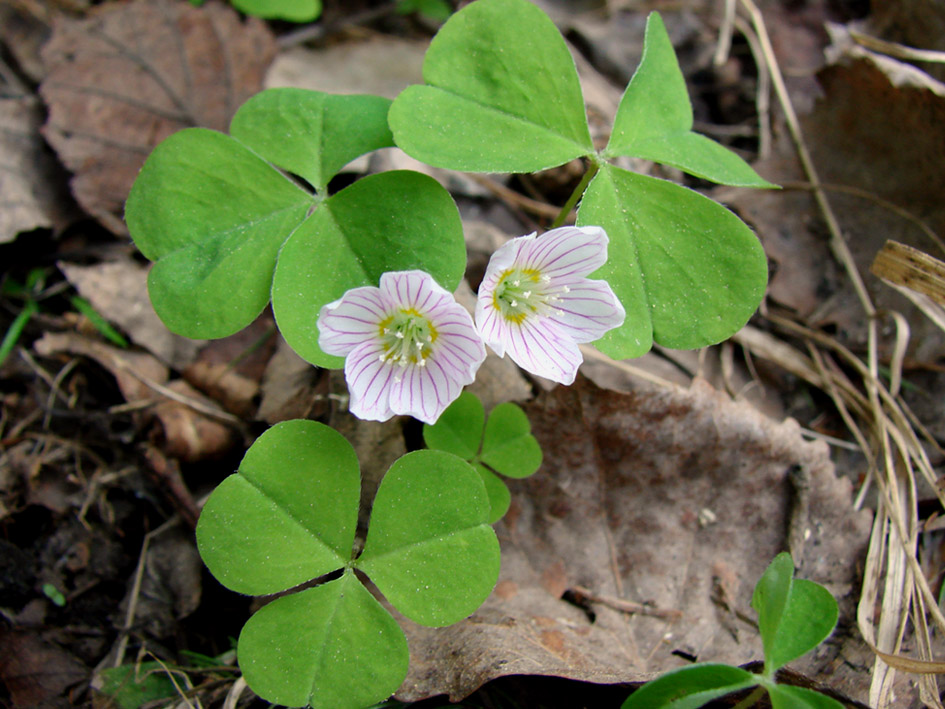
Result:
{"points": [[407, 337], [522, 292]]}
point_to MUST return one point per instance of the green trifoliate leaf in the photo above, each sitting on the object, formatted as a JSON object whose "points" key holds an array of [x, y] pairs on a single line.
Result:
{"points": [[213, 215], [794, 615], [688, 272], [312, 134], [288, 516], [501, 94], [429, 548], [508, 445], [291, 10], [787, 697], [332, 647], [690, 687], [499, 496], [459, 428], [394, 221], [654, 120]]}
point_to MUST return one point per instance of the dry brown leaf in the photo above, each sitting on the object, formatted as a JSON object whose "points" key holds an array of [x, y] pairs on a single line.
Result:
{"points": [[674, 499], [128, 368], [37, 673], [877, 139], [131, 74], [29, 198]]}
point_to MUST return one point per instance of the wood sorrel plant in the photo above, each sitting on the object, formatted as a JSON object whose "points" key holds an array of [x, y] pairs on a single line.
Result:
{"points": [[362, 278], [794, 617]]}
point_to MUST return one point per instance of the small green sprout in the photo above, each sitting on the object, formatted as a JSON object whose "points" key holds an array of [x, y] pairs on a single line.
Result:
{"points": [[794, 616]]}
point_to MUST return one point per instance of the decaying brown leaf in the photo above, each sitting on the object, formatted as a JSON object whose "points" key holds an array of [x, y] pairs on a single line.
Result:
{"points": [[673, 500], [129, 75], [881, 168], [29, 198], [35, 672]]}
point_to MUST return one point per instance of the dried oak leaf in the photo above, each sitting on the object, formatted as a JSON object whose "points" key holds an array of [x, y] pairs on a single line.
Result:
{"points": [[128, 75], [674, 500]]}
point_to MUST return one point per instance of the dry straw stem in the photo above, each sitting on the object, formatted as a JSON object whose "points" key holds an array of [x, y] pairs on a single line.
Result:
{"points": [[883, 426], [900, 51]]}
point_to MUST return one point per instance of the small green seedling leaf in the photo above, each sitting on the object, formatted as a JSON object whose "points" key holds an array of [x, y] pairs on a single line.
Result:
{"points": [[784, 696], [54, 594], [288, 515], [312, 134], [133, 686], [654, 120], [213, 215], [499, 496], [393, 221], [429, 548], [332, 647], [690, 687], [508, 447], [13, 333], [501, 94], [688, 272], [794, 615], [291, 10], [459, 428]]}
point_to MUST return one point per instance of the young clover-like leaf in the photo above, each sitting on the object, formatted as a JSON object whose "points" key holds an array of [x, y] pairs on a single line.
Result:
{"points": [[393, 221], [690, 687], [288, 515], [501, 94], [654, 120], [291, 10], [688, 272], [429, 548], [508, 446], [499, 496], [794, 615], [312, 134], [459, 428], [785, 696], [213, 215], [331, 647]]}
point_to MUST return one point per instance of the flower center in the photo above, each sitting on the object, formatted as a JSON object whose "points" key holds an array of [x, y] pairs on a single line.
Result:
{"points": [[522, 292], [407, 337]]}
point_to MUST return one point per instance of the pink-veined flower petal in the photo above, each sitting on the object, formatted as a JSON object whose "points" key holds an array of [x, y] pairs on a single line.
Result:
{"points": [[588, 311], [538, 347], [566, 254], [348, 321], [369, 380]]}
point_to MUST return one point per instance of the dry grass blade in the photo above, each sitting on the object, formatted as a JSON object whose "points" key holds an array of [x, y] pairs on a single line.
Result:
{"points": [[907, 266], [899, 51]]}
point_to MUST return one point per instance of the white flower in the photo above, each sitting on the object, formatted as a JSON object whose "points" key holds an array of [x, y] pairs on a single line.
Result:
{"points": [[536, 302], [410, 348]]}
